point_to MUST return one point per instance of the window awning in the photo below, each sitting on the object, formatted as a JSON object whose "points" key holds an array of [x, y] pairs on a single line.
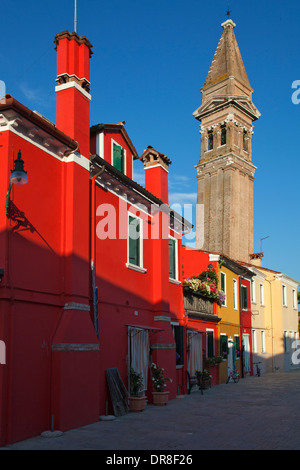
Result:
{"points": [[145, 327]]}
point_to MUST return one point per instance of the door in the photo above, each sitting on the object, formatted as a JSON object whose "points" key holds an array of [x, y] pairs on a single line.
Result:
{"points": [[231, 355], [138, 352], [246, 353], [194, 342]]}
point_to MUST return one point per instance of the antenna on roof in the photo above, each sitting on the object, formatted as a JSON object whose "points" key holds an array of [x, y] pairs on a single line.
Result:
{"points": [[75, 16], [261, 242]]}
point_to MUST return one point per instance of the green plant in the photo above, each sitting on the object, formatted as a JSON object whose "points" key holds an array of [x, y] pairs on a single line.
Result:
{"points": [[210, 361], [206, 284], [204, 375], [158, 378], [136, 383]]}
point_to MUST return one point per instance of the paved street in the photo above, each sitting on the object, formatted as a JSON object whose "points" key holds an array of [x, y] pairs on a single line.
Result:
{"points": [[257, 413]]}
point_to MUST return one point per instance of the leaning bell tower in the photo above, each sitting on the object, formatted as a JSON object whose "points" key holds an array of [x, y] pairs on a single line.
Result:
{"points": [[225, 172]]}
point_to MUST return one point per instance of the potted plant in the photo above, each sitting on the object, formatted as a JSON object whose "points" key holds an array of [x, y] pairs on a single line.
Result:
{"points": [[160, 394], [203, 379], [137, 402]]}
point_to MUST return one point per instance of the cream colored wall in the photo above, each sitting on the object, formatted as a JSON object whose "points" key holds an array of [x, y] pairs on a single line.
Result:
{"points": [[278, 318]]}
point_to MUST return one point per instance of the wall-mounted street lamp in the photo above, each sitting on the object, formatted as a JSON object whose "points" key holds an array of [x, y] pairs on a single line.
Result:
{"points": [[18, 176]]}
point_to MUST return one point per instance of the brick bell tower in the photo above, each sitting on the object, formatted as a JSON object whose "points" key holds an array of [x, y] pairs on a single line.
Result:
{"points": [[225, 172]]}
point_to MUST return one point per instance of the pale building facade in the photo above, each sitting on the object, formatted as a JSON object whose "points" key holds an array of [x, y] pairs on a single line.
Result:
{"points": [[274, 320]]}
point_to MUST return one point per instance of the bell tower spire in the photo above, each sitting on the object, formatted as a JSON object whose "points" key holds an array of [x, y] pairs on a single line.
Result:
{"points": [[225, 171]]}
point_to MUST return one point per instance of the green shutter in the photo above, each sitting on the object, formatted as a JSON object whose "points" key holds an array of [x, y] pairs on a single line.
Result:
{"points": [[134, 241], [118, 157], [210, 344], [172, 259], [223, 346], [223, 282], [244, 298]]}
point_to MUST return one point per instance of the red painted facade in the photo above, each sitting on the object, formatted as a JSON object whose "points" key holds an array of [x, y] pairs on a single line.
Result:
{"points": [[66, 256]]}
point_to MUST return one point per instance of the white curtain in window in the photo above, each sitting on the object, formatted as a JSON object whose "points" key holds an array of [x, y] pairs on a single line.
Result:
{"points": [[246, 353], [139, 352], [195, 352]]}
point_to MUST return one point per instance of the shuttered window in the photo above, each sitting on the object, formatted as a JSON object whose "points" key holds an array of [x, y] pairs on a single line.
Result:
{"points": [[209, 344], [223, 286], [172, 258], [134, 241], [224, 346], [244, 298], [118, 158]]}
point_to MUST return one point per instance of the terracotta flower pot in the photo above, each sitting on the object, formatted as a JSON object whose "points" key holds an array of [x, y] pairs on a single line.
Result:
{"points": [[137, 404], [160, 398]]}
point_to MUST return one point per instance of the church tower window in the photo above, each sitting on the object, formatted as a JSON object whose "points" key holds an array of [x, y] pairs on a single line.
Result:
{"points": [[210, 141], [223, 135], [245, 143]]}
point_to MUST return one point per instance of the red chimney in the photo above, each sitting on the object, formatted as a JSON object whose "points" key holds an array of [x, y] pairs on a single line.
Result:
{"points": [[72, 90], [156, 166]]}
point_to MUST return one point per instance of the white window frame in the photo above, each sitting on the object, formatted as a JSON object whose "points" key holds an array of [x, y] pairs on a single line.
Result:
{"points": [[175, 280], [254, 341], [140, 267], [261, 294], [294, 299], [224, 304], [235, 294], [244, 289], [263, 341], [112, 154], [284, 295], [253, 293], [213, 332]]}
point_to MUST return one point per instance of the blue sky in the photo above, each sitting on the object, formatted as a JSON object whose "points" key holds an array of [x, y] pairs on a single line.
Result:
{"points": [[150, 60]]}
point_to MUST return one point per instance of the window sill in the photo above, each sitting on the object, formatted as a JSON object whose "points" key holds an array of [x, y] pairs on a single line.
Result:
{"points": [[174, 281], [136, 268]]}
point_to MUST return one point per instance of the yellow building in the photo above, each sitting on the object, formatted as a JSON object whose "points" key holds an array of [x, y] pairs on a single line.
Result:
{"points": [[230, 312]]}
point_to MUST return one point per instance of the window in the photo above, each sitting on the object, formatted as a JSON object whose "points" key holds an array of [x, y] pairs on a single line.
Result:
{"points": [[263, 341], [294, 299], [223, 135], [223, 286], [210, 140], [178, 335], [261, 293], [235, 298], [210, 343], [244, 299], [285, 341], [245, 141], [135, 255], [253, 297], [223, 346], [118, 158], [284, 301], [173, 259], [237, 346], [254, 341]]}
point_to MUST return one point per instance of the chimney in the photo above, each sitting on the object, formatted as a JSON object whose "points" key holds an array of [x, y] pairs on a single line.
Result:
{"points": [[156, 167], [73, 86], [256, 259]]}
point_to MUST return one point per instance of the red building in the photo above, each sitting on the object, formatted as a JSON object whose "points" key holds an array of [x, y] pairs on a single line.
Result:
{"points": [[89, 260]]}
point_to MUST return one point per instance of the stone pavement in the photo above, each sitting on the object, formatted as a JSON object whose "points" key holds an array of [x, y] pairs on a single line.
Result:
{"points": [[256, 413]]}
